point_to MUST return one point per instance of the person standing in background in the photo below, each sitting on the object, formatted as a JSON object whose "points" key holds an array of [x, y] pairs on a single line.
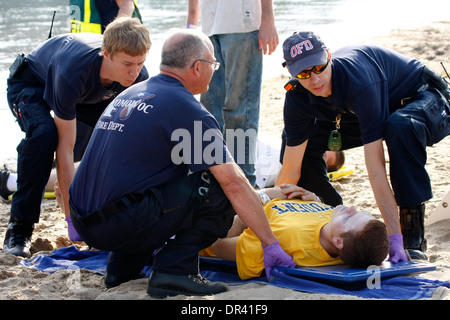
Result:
{"points": [[241, 32], [94, 15]]}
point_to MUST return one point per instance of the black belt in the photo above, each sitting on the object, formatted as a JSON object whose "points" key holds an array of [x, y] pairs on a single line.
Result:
{"points": [[111, 209], [410, 99], [437, 82], [432, 80]]}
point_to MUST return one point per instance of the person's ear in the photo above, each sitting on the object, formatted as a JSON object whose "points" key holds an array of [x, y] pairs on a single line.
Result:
{"points": [[338, 242], [196, 69], [105, 53]]}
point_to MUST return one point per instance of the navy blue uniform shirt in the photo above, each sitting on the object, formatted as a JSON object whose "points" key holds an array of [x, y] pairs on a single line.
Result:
{"points": [[151, 134], [368, 83]]}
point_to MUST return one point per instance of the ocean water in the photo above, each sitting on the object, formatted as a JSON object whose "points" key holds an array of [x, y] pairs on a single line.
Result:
{"points": [[26, 23]]}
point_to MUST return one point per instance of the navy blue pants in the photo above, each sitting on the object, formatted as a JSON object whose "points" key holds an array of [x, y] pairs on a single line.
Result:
{"points": [[35, 153], [423, 122], [183, 217]]}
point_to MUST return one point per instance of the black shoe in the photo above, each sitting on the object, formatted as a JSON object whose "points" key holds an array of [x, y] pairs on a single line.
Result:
{"points": [[4, 192], [161, 285], [113, 280], [123, 267], [413, 230], [18, 238], [417, 254]]}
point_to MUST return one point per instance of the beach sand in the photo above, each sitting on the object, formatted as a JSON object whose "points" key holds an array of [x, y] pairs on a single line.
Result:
{"points": [[430, 44]]}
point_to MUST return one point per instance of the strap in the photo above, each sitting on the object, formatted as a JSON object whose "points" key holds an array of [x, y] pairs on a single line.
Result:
{"points": [[112, 209]]}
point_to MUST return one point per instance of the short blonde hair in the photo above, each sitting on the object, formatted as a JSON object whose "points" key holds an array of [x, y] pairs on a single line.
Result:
{"points": [[127, 35]]}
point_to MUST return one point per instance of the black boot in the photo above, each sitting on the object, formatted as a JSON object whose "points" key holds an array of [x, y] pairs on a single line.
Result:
{"points": [[18, 237], [123, 267], [413, 230]]}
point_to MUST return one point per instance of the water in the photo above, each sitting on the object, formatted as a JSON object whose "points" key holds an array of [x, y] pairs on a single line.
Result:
{"points": [[26, 23]]}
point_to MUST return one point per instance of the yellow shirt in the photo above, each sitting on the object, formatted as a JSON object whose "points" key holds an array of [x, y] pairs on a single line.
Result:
{"points": [[297, 225]]}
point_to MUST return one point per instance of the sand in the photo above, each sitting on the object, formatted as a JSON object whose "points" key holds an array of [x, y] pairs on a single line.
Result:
{"points": [[430, 44]]}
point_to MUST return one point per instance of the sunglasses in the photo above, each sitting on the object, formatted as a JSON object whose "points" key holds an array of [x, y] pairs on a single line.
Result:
{"points": [[306, 74]]}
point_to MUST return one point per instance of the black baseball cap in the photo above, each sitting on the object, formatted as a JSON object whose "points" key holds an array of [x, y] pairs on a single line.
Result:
{"points": [[303, 50]]}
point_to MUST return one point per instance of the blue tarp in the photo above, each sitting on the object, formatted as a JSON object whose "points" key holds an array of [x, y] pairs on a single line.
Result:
{"points": [[398, 287]]}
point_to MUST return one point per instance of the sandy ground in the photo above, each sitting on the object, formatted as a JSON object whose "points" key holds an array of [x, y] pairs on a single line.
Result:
{"points": [[431, 44]]}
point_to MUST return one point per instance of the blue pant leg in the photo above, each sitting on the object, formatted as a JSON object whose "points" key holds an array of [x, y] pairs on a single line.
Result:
{"points": [[193, 207], [408, 132], [234, 95], [35, 151], [212, 217]]}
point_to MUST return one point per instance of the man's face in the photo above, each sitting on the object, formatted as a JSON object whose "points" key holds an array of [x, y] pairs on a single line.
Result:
{"points": [[206, 70], [319, 84], [348, 218], [124, 68]]}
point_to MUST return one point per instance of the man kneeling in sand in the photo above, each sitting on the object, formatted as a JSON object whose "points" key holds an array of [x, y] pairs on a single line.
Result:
{"points": [[141, 182], [311, 232]]}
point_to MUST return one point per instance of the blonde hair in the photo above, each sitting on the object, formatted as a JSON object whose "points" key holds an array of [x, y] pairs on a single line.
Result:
{"points": [[127, 35]]}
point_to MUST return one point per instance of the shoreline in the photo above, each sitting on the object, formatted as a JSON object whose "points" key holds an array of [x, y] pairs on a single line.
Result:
{"points": [[429, 44]]}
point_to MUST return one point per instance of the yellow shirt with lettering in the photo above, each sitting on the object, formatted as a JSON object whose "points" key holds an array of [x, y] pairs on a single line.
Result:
{"points": [[296, 224]]}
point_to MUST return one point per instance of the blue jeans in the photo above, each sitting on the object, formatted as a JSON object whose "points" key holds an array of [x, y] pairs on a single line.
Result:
{"points": [[408, 131], [233, 97]]}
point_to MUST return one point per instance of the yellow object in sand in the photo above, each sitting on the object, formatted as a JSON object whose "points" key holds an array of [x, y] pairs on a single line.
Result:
{"points": [[47, 195], [344, 171]]}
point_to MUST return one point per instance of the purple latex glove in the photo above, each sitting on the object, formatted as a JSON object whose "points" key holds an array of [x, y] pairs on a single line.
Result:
{"points": [[275, 256], [396, 250], [73, 234]]}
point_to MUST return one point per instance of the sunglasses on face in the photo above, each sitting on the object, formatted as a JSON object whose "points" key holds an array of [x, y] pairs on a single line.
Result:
{"points": [[306, 74]]}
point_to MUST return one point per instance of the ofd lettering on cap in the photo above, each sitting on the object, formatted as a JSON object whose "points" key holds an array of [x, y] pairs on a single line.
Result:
{"points": [[298, 48]]}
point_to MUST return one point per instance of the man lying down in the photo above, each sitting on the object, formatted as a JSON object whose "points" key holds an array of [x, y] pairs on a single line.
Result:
{"points": [[311, 232]]}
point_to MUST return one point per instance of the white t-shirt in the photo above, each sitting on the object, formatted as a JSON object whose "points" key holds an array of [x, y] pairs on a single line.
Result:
{"points": [[230, 16]]}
